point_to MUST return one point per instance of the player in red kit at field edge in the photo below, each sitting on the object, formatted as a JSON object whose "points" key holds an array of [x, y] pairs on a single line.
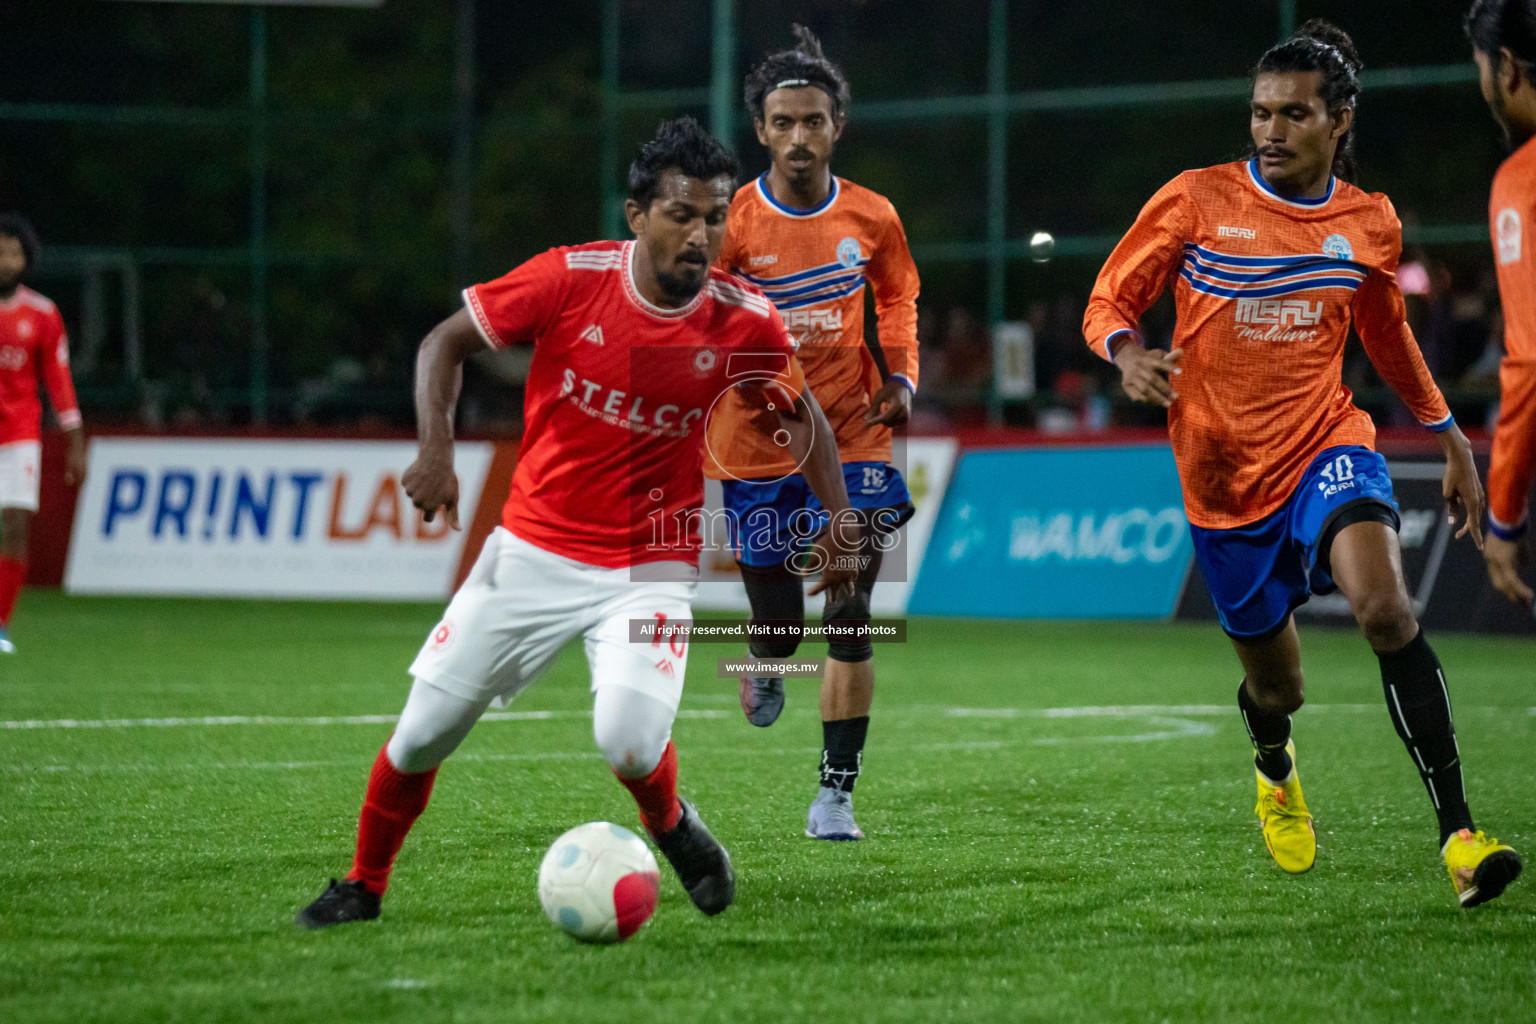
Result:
{"points": [[634, 343], [33, 348], [1504, 45]]}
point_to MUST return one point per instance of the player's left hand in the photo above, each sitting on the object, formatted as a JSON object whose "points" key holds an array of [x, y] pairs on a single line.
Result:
{"points": [[76, 461], [1462, 489], [1504, 558], [891, 406]]}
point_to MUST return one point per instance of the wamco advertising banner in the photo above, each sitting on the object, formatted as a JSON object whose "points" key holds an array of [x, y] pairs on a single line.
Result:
{"points": [[1058, 533]]}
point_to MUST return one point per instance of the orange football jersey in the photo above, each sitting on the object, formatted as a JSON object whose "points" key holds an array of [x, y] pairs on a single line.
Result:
{"points": [[1511, 206], [1265, 288], [814, 265]]}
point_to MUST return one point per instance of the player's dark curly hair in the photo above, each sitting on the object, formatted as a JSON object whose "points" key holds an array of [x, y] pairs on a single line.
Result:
{"points": [[14, 225], [1493, 25], [680, 145], [1322, 46], [805, 65]]}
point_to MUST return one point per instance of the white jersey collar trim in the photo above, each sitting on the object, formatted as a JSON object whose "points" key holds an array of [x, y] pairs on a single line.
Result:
{"points": [[645, 305]]}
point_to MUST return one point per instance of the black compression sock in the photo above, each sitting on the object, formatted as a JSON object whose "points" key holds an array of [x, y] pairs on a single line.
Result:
{"points": [[842, 752], [1420, 707], [1269, 733]]}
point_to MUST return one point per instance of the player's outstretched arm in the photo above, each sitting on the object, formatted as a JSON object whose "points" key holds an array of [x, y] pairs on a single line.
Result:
{"points": [[1382, 323], [814, 447], [430, 480]]}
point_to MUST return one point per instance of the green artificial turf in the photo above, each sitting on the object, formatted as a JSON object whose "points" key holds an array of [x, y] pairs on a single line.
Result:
{"points": [[1022, 865]]}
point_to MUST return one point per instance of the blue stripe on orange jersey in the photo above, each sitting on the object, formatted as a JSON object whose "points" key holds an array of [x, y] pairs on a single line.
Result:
{"points": [[796, 291], [835, 267]]}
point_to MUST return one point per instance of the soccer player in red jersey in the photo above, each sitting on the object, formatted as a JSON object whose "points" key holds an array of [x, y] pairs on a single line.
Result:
{"points": [[812, 241], [33, 347], [1271, 259], [1503, 36], [634, 344]]}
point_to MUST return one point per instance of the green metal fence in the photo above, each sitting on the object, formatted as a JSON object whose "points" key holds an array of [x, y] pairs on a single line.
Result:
{"points": [[465, 128]]}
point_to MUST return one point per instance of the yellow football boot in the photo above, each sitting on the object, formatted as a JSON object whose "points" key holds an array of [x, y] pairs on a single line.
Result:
{"points": [[1286, 821], [1479, 867]]}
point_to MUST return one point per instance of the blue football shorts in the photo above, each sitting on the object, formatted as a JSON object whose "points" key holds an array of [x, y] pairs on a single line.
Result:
{"points": [[769, 520], [1259, 573]]}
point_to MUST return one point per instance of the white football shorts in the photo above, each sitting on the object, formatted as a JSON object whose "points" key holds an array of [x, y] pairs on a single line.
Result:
{"points": [[19, 467], [519, 606]]}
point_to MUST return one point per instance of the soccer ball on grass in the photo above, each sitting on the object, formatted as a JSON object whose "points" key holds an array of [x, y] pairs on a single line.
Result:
{"points": [[599, 882]]}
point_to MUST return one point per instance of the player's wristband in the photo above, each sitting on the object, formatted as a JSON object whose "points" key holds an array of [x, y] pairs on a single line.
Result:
{"points": [[1504, 531], [910, 386], [1441, 426], [1109, 341]]}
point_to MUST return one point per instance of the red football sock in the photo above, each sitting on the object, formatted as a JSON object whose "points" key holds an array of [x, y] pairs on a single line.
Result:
{"points": [[13, 573], [394, 801], [657, 794]]}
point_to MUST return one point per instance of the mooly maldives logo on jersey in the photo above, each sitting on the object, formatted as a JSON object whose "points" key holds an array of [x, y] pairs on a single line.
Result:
{"points": [[815, 326], [1278, 319], [1507, 235], [849, 253], [24, 329], [705, 361], [1338, 247]]}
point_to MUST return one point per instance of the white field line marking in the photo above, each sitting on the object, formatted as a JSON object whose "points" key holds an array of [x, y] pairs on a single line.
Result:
{"points": [[1107, 711], [560, 755], [163, 723], [1094, 711], [1135, 710], [1173, 728]]}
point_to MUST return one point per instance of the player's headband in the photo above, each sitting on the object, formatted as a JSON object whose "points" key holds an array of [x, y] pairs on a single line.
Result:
{"points": [[801, 83]]}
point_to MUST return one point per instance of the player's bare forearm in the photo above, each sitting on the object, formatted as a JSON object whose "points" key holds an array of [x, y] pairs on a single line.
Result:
{"points": [[430, 481], [814, 446], [1461, 486], [76, 460], [439, 376]]}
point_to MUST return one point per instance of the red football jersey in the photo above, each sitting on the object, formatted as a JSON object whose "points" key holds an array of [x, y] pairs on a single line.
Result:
{"points": [[618, 398], [32, 346]]}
